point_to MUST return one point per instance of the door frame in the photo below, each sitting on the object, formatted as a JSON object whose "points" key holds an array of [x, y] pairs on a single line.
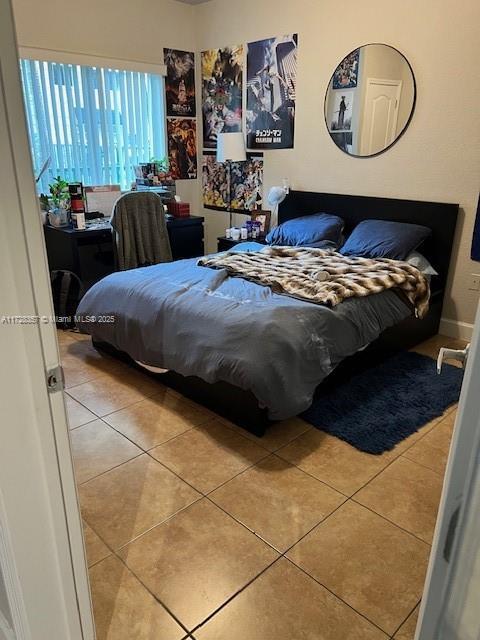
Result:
{"points": [[43, 558], [455, 535]]}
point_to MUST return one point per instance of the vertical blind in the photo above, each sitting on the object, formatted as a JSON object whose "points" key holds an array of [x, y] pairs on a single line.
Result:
{"points": [[94, 124]]}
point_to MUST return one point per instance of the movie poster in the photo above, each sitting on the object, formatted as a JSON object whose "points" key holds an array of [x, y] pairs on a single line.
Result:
{"points": [[180, 82], [246, 184], [222, 77], [271, 85], [182, 148]]}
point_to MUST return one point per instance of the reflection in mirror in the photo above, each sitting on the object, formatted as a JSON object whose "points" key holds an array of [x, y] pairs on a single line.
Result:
{"points": [[369, 100]]}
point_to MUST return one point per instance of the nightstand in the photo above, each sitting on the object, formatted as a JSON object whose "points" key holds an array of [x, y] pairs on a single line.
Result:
{"points": [[224, 244]]}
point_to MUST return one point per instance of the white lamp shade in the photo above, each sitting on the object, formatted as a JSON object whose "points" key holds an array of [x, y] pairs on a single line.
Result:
{"points": [[231, 146], [276, 195]]}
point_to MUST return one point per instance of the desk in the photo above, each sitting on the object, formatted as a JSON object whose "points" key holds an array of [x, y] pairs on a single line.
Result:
{"points": [[89, 252]]}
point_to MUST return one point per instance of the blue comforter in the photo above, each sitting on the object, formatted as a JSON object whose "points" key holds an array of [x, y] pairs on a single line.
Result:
{"points": [[202, 322]]}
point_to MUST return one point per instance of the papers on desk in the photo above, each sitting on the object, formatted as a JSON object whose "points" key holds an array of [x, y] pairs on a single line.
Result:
{"points": [[98, 223]]}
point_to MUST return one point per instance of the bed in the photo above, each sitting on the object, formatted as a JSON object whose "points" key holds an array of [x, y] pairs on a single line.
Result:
{"points": [[252, 355]]}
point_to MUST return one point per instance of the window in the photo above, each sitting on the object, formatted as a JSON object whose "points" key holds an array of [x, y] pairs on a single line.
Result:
{"points": [[94, 124]]}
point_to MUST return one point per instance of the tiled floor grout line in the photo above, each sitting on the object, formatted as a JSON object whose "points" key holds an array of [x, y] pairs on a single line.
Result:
{"points": [[136, 443], [337, 596], [243, 525], [158, 524], [204, 495], [234, 595], [324, 482], [67, 390], [169, 611], [394, 459], [238, 474], [360, 504], [107, 373], [400, 625], [315, 526], [421, 464], [80, 484], [118, 557], [73, 386], [81, 425], [225, 423]]}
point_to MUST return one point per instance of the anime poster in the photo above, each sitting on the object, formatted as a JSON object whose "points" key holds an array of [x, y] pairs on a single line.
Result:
{"points": [[246, 180], [222, 77], [180, 82], [342, 111], [346, 74], [182, 148], [271, 85]]}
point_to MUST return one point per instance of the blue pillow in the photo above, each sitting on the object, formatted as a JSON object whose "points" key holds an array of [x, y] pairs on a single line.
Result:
{"points": [[384, 239], [307, 230]]}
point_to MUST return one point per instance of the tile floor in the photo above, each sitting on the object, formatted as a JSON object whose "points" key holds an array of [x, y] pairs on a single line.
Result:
{"points": [[196, 529]]}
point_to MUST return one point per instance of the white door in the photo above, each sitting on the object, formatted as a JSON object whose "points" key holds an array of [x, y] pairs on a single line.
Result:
{"points": [[380, 114], [45, 593], [450, 604]]}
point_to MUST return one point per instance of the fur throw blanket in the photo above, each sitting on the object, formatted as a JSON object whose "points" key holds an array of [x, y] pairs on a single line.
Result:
{"points": [[324, 276]]}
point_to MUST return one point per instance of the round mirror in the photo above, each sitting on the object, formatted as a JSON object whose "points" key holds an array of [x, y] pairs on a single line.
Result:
{"points": [[369, 100]]}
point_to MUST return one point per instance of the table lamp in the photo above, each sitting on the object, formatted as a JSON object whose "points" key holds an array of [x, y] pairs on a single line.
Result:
{"points": [[230, 148], [276, 195]]}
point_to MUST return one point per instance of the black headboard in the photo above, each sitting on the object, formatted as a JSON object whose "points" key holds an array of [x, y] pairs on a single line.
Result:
{"points": [[440, 217]]}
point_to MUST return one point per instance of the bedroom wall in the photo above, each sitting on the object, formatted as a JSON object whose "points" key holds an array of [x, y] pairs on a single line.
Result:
{"points": [[437, 159], [129, 30]]}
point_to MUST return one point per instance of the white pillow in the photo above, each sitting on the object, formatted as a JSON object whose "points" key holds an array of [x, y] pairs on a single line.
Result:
{"points": [[421, 263]]}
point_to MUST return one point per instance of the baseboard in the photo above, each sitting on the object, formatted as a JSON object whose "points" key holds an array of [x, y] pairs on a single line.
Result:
{"points": [[456, 329]]}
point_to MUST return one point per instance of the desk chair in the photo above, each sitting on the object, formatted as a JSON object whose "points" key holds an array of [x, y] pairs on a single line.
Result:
{"points": [[140, 231]]}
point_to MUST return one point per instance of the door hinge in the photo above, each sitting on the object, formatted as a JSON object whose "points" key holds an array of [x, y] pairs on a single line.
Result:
{"points": [[55, 379]]}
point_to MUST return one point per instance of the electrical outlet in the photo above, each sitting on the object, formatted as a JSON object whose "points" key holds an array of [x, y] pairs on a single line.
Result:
{"points": [[474, 284]]}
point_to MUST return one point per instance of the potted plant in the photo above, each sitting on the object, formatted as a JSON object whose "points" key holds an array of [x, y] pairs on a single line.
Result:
{"points": [[60, 200]]}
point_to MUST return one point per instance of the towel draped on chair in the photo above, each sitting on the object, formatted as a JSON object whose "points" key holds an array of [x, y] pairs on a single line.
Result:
{"points": [[141, 235]]}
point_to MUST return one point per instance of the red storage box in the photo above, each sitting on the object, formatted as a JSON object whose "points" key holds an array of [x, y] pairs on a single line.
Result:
{"points": [[179, 209]]}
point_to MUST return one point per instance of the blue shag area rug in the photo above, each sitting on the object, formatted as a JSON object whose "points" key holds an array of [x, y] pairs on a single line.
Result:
{"points": [[379, 407]]}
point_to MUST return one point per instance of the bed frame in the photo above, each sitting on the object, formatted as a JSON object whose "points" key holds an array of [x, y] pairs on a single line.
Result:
{"points": [[241, 406]]}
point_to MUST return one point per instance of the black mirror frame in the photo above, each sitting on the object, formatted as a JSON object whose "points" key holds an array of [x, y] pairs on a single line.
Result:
{"points": [[372, 155]]}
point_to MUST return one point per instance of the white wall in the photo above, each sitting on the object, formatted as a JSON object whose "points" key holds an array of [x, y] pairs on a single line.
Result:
{"points": [[126, 29], [438, 158], [6, 623]]}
